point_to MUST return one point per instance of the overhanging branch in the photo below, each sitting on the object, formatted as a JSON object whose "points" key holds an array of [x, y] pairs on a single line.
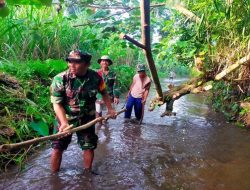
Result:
{"points": [[125, 10], [122, 7], [108, 7], [102, 19]]}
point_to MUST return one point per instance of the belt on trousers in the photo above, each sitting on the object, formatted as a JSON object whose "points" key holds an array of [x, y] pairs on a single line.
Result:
{"points": [[72, 118]]}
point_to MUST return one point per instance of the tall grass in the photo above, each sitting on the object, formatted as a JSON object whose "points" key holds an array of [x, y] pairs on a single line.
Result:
{"points": [[32, 33]]}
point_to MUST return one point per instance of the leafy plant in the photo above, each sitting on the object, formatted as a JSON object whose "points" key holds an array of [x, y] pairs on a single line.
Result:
{"points": [[40, 127]]}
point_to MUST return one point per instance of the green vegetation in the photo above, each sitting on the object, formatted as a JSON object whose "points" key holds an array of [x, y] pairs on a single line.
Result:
{"points": [[25, 105], [223, 100]]}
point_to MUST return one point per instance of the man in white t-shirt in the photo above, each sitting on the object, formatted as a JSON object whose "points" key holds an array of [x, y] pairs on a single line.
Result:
{"points": [[138, 92]]}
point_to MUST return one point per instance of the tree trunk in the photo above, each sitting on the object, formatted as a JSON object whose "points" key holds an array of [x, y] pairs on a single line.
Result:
{"points": [[145, 34], [146, 44]]}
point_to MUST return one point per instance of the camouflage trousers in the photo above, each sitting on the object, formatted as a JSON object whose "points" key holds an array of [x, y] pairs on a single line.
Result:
{"points": [[86, 139]]}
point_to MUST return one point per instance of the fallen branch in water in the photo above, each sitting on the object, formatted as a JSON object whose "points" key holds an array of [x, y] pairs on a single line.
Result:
{"points": [[8, 147], [173, 94], [194, 86]]}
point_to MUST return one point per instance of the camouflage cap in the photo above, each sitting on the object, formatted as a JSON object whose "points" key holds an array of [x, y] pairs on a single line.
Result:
{"points": [[105, 57], [140, 67], [78, 56]]}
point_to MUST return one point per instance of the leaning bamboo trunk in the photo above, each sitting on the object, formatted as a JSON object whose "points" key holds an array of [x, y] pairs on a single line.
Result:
{"points": [[146, 44], [187, 13], [8, 147], [233, 67], [145, 34]]}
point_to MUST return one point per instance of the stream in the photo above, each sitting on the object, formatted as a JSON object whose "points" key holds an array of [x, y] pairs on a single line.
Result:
{"points": [[196, 149]]}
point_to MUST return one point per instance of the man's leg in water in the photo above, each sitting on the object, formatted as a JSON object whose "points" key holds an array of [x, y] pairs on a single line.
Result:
{"points": [[129, 107], [138, 108]]}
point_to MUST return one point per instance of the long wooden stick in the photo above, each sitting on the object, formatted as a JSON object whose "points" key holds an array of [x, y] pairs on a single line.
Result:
{"points": [[8, 147]]}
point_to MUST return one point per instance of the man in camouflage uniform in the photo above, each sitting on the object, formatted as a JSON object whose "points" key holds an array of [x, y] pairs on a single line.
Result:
{"points": [[110, 80], [73, 94]]}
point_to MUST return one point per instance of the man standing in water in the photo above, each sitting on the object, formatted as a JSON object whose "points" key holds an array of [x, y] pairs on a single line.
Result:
{"points": [[172, 75], [73, 94], [138, 93], [110, 80]]}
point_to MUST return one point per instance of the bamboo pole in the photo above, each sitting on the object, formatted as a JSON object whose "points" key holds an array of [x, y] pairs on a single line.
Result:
{"points": [[233, 67], [8, 147], [187, 13], [146, 44], [145, 34]]}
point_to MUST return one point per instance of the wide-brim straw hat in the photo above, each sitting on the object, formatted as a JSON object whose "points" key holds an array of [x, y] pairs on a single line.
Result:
{"points": [[105, 57]]}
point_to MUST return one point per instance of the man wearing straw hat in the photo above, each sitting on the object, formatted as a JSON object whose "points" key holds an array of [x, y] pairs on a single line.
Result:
{"points": [[111, 82], [73, 94]]}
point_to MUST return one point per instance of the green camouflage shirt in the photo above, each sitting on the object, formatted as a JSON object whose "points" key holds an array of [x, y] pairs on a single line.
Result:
{"points": [[77, 94], [111, 82]]}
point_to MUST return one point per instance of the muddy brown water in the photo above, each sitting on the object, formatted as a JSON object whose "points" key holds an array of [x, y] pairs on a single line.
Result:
{"points": [[196, 149]]}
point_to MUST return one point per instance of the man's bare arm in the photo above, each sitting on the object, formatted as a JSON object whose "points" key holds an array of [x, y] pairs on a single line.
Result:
{"points": [[107, 101], [61, 115], [130, 89], [145, 94]]}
